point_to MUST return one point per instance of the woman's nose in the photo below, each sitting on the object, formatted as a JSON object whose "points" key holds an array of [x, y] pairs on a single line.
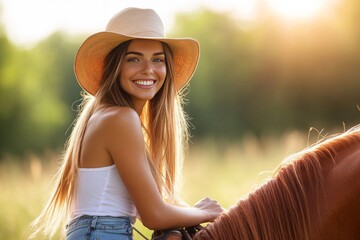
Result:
{"points": [[147, 67]]}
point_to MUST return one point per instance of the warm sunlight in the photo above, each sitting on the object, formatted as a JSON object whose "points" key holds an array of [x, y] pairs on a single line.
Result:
{"points": [[297, 9], [40, 24]]}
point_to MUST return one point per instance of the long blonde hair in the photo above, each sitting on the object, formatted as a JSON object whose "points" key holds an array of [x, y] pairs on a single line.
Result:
{"points": [[165, 132]]}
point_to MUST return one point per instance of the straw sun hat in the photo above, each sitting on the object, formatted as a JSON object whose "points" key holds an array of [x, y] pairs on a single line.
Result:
{"points": [[128, 24]]}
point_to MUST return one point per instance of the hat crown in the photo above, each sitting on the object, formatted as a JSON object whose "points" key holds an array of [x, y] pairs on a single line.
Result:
{"points": [[137, 22]]}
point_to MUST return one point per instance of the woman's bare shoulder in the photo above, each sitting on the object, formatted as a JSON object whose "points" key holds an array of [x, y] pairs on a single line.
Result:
{"points": [[115, 117], [121, 133], [115, 124]]}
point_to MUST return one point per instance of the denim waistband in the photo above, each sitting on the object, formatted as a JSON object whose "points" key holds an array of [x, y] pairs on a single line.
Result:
{"points": [[101, 222]]}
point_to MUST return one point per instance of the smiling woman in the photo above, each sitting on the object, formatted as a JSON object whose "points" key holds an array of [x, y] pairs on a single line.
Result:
{"points": [[124, 156], [304, 9]]}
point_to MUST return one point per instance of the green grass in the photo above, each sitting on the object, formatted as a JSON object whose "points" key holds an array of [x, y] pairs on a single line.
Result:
{"points": [[226, 172]]}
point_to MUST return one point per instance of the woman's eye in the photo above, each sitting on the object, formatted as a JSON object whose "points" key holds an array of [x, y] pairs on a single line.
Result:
{"points": [[133, 59], [158, 60]]}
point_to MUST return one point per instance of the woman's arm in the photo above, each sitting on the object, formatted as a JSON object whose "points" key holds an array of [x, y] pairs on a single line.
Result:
{"points": [[125, 142]]}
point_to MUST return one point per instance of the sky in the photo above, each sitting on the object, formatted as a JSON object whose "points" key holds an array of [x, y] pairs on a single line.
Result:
{"points": [[28, 21]]}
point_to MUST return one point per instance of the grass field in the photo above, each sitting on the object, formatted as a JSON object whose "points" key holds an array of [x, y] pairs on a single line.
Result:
{"points": [[223, 171]]}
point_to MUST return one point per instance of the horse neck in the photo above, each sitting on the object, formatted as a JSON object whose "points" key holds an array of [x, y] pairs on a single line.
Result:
{"points": [[312, 196]]}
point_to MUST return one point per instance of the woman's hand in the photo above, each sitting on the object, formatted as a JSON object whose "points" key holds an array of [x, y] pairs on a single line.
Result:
{"points": [[212, 208]]}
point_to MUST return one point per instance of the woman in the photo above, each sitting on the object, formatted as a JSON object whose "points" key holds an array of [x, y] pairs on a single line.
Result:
{"points": [[123, 157]]}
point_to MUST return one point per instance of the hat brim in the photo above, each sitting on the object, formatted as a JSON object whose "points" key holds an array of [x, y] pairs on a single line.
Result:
{"points": [[89, 60]]}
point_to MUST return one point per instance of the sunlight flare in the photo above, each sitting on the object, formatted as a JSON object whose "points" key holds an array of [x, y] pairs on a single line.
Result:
{"points": [[296, 9]]}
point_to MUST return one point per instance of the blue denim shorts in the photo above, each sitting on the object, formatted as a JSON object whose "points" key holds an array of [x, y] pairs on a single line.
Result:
{"points": [[99, 228]]}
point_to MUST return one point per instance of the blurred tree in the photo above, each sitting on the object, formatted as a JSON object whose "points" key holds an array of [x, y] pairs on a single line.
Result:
{"points": [[8, 100], [272, 77], [40, 89], [219, 84]]}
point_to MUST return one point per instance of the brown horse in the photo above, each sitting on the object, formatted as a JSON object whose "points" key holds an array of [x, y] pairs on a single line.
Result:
{"points": [[314, 194]]}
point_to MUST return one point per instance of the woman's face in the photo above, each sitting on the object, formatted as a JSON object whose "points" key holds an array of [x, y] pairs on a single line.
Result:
{"points": [[143, 70]]}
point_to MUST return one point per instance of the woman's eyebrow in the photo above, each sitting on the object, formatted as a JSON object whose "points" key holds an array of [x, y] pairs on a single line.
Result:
{"points": [[141, 54]]}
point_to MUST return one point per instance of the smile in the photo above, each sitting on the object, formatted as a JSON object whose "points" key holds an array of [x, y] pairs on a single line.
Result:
{"points": [[145, 83]]}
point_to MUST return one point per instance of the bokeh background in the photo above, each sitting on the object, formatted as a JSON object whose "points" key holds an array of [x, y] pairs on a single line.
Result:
{"points": [[273, 77]]}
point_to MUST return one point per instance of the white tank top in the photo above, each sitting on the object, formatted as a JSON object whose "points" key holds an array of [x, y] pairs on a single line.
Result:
{"points": [[101, 192]]}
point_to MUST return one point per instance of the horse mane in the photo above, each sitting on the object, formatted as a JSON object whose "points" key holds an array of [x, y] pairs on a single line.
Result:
{"points": [[280, 208]]}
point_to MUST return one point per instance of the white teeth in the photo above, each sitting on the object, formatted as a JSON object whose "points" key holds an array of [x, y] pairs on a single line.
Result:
{"points": [[145, 83]]}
